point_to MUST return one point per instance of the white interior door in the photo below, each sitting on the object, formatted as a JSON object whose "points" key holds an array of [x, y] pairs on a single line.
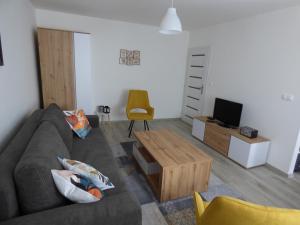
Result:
{"points": [[195, 83], [83, 72]]}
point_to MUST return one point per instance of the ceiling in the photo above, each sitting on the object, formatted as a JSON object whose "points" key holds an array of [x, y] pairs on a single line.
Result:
{"points": [[193, 13]]}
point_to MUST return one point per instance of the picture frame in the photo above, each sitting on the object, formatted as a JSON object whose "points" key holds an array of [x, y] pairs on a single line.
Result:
{"points": [[1, 54], [129, 54], [129, 61], [122, 61], [136, 62], [130, 57], [136, 57], [123, 53], [136, 54]]}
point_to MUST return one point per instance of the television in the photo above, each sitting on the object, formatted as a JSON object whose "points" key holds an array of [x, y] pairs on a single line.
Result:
{"points": [[228, 113]]}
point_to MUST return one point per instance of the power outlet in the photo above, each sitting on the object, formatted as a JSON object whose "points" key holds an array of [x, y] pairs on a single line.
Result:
{"points": [[287, 97]]}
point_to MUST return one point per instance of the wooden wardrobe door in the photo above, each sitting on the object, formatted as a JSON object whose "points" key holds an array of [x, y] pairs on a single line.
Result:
{"points": [[56, 50]]}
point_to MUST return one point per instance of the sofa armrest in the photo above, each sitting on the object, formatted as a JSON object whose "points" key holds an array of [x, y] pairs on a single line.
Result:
{"points": [[118, 209], [93, 120]]}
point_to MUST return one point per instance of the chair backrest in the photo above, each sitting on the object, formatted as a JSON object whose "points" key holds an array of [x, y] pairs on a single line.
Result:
{"points": [[230, 211], [137, 99]]}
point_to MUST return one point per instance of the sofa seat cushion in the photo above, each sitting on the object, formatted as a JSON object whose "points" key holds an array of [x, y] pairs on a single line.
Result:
{"points": [[95, 151], [57, 117], [9, 158], [95, 144], [114, 210], [35, 185]]}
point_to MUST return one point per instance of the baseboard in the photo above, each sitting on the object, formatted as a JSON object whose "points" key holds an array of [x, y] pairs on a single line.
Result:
{"points": [[278, 171], [161, 119]]}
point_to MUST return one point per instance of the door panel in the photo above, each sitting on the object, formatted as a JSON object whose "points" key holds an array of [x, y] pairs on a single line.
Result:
{"points": [[195, 84], [84, 85], [195, 70], [198, 60], [192, 102], [56, 51], [195, 81]]}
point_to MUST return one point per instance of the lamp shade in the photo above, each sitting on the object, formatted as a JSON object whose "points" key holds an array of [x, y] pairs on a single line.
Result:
{"points": [[171, 23]]}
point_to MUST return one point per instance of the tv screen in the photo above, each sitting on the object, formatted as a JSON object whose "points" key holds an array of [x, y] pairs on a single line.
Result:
{"points": [[228, 112]]}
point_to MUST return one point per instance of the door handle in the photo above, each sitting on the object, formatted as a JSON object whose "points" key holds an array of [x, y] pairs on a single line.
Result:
{"points": [[202, 89]]}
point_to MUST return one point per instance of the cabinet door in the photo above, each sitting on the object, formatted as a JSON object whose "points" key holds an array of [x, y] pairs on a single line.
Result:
{"points": [[239, 151], [217, 137], [198, 129], [56, 51]]}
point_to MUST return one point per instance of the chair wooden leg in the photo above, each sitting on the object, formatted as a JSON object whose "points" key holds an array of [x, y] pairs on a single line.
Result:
{"points": [[147, 125], [131, 129]]}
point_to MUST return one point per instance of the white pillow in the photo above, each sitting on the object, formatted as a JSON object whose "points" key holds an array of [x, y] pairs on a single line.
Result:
{"points": [[75, 187], [86, 170]]}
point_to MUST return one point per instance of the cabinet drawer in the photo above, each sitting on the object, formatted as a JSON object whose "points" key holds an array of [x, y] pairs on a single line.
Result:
{"points": [[145, 161], [217, 138]]}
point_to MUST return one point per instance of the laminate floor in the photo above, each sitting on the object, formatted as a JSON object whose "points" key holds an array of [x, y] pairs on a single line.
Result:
{"points": [[262, 185]]}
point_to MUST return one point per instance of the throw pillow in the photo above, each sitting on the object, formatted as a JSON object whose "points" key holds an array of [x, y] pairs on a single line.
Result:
{"points": [[76, 187], [86, 170], [79, 123]]}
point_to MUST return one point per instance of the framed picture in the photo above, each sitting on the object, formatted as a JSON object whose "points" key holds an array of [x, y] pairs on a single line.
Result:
{"points": [[136, 62], [136, 54], [129, 54], [123, 61], [136, 57], [129, 61], [123, 53], [1, 54], [130, 57]]}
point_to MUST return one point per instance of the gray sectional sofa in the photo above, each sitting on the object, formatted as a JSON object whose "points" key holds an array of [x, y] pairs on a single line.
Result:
{"points": [[28, 195]]}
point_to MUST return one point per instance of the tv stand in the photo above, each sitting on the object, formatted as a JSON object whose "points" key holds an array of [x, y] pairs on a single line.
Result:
{"points": [[230, 143], [225, 125]]}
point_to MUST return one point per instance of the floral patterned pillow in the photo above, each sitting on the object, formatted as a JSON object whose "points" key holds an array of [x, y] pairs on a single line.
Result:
{"points": [[79, 123], [88, 171], [76, 187]]}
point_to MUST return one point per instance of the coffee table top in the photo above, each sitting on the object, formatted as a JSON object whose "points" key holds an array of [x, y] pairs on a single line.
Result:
{"points": [[170, 149]]}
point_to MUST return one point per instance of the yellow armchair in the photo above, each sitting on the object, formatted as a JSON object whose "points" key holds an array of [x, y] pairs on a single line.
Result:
{"points": [[138, 99], [230, 211]]}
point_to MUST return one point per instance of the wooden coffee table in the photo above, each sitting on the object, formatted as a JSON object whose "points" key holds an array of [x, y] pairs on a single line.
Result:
{"points": [[173, 166]]}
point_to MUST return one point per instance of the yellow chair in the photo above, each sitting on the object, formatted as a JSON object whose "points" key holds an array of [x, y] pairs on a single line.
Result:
{"points": [[230, 211], [138, 99]]}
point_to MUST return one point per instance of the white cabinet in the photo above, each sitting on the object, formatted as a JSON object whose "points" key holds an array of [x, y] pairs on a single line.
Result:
{"points": [[198, 129], [248, 154]]}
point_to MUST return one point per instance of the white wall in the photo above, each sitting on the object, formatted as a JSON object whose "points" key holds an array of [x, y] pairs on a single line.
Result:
{"points": [[19, 83], [162, 61], [253, 62]]}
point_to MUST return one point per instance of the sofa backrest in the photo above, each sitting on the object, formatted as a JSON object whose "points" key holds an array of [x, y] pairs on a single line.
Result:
{"points": [[35, 186], [56, 116], [9, 157]]}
